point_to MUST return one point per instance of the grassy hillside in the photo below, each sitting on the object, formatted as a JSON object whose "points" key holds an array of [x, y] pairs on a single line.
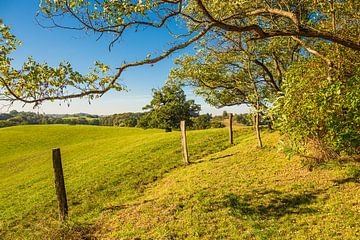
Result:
{"points": [[244, 193], [130, 184], [103, 167]]}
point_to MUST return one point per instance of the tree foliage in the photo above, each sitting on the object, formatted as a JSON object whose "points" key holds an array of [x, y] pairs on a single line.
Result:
{"points": [[321, 115], [202, 121], [333, 21], [233, 71], [168, 107], [14, 118], [129, 119], [261, 19], [36, 82]]}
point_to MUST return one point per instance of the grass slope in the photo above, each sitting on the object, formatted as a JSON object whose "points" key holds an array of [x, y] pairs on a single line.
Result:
{"points": [[130, 184], [244, 193], [103, 167]]}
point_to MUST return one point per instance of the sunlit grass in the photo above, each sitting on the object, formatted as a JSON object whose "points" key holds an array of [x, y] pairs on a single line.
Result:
{"points": [[127, 183], [103, 167], [244, 193]]}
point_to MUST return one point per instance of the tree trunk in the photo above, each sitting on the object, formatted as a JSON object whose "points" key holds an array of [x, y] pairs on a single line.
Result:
{"points": [[257, 108]]}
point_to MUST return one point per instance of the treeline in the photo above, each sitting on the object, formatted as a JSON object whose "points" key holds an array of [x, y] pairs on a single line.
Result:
{"points": [[14, 118], [202, 121], [121, 120]]}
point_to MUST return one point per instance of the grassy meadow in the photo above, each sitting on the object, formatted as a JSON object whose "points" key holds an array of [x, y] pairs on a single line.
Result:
{"points": [[129, 183], [103, 167]]}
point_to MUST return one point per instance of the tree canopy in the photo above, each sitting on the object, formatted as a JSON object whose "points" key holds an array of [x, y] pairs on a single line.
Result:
{"points": [[311, 20], [168, 107]]}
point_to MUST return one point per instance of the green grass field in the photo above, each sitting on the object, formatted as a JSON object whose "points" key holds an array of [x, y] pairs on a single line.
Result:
{"points": [[128, 183]]}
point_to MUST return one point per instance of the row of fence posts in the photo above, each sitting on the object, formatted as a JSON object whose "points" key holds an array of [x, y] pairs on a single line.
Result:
{"points": [[59, 175]]}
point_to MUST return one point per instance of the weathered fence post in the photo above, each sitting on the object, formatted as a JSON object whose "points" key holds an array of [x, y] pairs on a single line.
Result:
{"points": [[184, 143], [60, 184], [231, 128]]}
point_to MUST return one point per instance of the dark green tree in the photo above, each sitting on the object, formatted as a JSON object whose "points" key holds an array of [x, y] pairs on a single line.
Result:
{"points": [[168, 107], [202, 121]]}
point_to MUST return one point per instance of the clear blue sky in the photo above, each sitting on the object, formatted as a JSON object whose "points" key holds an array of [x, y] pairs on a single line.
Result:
{"points": [[56, 45]]}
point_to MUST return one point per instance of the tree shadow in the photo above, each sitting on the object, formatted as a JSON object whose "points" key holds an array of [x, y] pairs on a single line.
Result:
{"points": [[347, 180], [347, 159], [270, 204], [213, 158], [353, 177]]}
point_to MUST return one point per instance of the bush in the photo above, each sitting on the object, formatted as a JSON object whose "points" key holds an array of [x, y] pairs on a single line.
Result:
{"points": [[217, 124], [320, 114], [202, 121]]}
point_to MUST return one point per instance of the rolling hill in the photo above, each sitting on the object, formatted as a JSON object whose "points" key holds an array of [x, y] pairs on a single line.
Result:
{"points": [[128, 183]]}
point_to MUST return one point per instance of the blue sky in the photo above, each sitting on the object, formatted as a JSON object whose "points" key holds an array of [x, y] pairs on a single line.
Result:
{"points": [[81, 50]]}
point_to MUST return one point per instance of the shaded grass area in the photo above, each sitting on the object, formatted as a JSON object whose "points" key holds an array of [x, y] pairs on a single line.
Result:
{"points": [[243, 193], [104, 167]]}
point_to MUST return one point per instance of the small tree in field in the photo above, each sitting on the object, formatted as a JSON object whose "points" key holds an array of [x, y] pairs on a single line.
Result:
{"points": [[168, 107], [202, 121]]}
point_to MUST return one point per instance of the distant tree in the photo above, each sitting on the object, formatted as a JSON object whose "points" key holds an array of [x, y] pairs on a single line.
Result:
{"points": [[121, 120], [225, 114], [95, 122], [22, 118], [5, 116], [243, 118], [217, 123], [82, 121], [202, 121], [168, 107], [57, 121], [13, 112]]}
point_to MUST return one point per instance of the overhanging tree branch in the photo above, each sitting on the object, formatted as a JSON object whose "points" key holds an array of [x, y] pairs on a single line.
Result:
{"points": [[111, 85]]}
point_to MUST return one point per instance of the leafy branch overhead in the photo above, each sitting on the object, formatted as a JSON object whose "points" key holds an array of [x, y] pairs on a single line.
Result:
{"points": [[261, 19], [36, 82], [186, 20]]}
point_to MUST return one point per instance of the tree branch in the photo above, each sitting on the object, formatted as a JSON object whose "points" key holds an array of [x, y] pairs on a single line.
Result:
{"points": [[111, 85]]}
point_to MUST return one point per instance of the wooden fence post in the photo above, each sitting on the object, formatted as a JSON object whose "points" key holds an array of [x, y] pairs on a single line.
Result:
{"points": [[231, 128], [184, 143], [59, 184]]}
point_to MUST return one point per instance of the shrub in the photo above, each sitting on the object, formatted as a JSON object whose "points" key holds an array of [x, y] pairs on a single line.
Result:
{"points": [[320, 112]]}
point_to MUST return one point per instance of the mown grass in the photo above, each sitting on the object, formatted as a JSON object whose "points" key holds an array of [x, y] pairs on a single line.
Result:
{"points": [[104, 167], [131, 184]]}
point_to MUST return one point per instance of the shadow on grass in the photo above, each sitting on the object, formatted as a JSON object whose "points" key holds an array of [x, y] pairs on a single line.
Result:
{"points": [[347, 180], [270, 204], [353, 176], [213, 158], [353, 158], [261, 212]]}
